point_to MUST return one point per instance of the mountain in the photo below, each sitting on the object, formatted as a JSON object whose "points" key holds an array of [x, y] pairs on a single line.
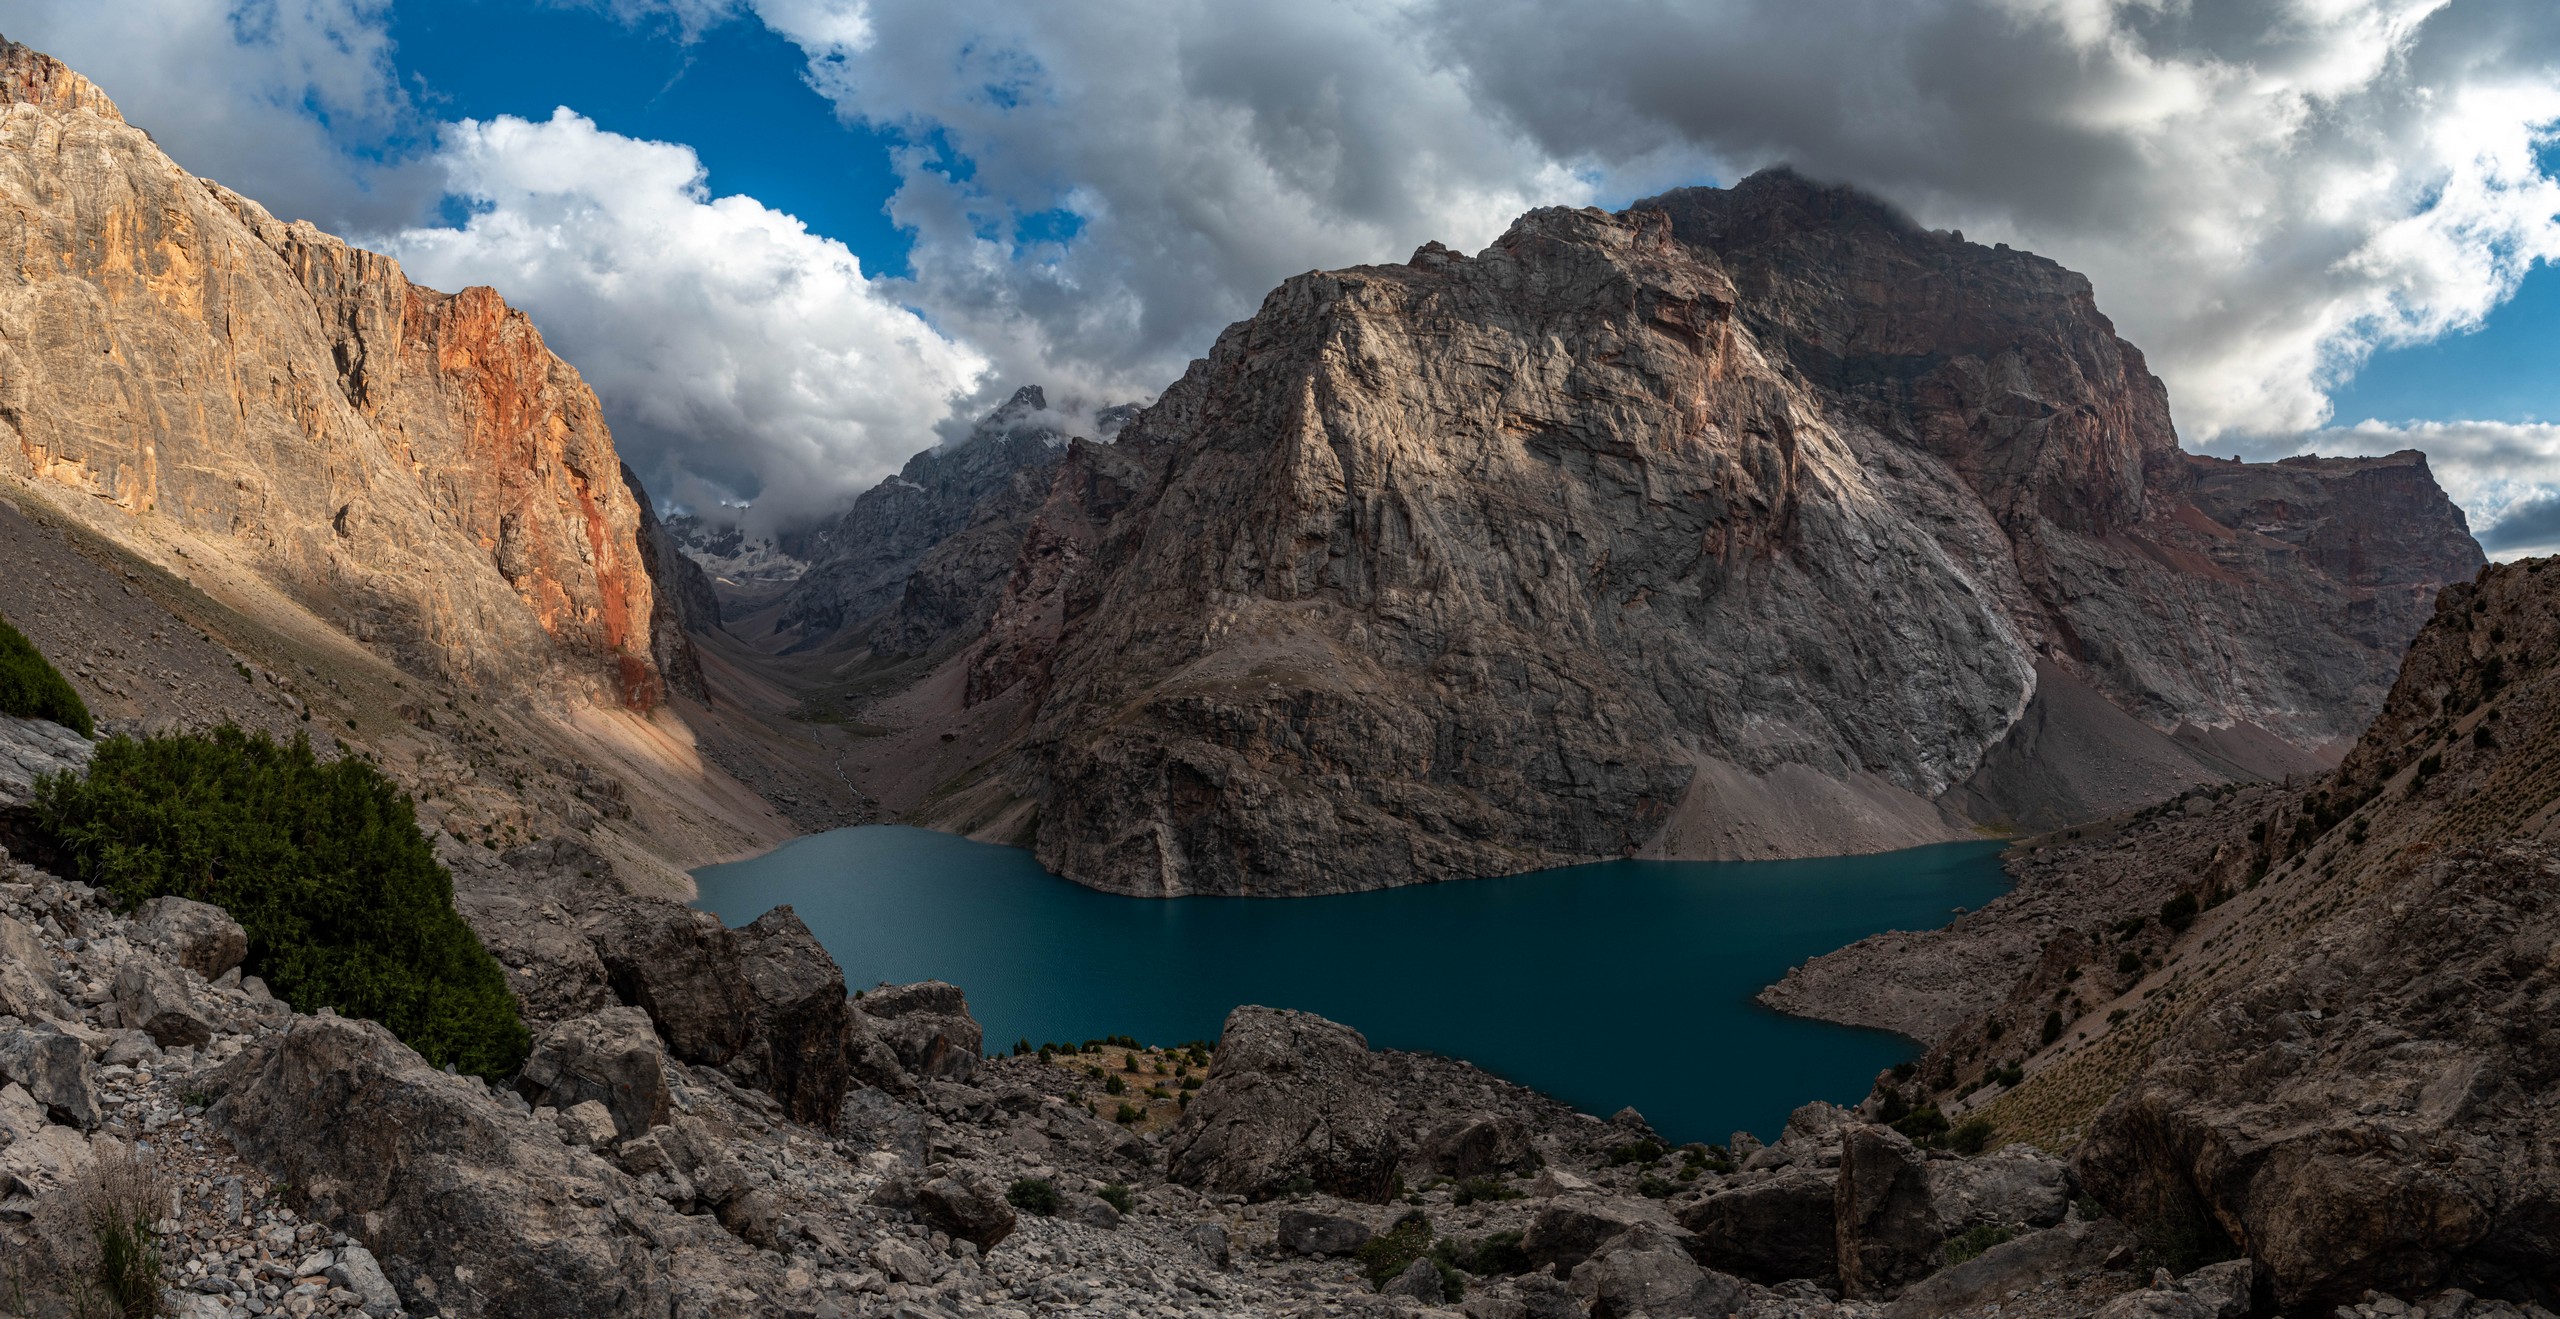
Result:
{"points": [[413, 466], [922, 556], [1743, 523]]}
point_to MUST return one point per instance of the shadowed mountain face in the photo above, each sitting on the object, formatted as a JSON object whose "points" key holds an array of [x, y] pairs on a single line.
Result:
{"points": [[413, 467], [1745, 523]]}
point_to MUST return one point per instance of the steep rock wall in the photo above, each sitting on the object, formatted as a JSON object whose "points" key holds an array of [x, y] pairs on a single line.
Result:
{"points": [[413, 466]]}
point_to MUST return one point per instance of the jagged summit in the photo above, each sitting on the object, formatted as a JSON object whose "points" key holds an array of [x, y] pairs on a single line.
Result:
{"points": [[30, 77]]}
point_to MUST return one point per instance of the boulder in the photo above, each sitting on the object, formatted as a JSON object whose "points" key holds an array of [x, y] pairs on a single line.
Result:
{"points": [[1479, 1145], [42, 1162], [471, 1204], [763, 1003], [1565, 1232], [1290, 1096], [1770, 1231], [1646, 1272], [2218, 1291], [2025, 1263], [927, 1026], [1888, 1233], [151, 996], [967, 1205], [1307, 1232], [612, 1057], [1420, 1281], [2013, 1186], [52, 1068], [196, 935], [588, 1122], [355, 1269], [26, 975], [1210, 1239]]}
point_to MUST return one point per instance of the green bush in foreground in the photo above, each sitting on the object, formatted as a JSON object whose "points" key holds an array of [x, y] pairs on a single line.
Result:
{"points": [[31, 688], [320, 861]]}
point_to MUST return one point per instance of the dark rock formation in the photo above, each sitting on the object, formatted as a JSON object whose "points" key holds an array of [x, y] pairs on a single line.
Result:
{"points": [[925, 552], [26, 982], [1888, 1231], [1479, 1145], [968, 1206], [762, 1002], [1306, 1232], [612, 1057], [1566, 550], [927, 1026], [1769, 1231], [54, 1069], [1290, 1097], [681, 598]]}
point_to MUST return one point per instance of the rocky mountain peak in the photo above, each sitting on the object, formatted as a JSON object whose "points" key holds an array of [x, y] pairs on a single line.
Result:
{"points": [[31, 77]]}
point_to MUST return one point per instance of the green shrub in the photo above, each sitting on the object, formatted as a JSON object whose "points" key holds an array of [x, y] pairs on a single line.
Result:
{"points": [[1468, 1190], [320, 862], [1113, 1085], [1970, 1243], [1924, 1124], [2179, 912], [2052, 1027], [31, 688], [1645, 1152], [1128, 1113], [1971, 1136], [1117, 1196], [1653, 1187], [1384, 1256], [2129, 963], [1033, 1195]]}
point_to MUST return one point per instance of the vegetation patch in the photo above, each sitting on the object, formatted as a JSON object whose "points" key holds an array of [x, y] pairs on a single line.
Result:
{"points": [[1033, 1195], [320, 861], [1970, 1243], [31, 688]]}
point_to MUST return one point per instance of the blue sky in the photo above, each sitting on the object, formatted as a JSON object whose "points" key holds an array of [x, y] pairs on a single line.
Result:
{"points": [[790, 242]]}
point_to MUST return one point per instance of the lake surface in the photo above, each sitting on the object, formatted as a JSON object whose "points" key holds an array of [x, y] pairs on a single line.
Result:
{"points": [[1625, 982]]}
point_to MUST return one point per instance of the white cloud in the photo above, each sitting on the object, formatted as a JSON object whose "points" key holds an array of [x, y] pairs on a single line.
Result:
{"points": [[734, 350], [287, 101]]}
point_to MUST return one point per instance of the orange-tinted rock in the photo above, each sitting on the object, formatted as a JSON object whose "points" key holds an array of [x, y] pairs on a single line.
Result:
{"points": [[415, 467]]}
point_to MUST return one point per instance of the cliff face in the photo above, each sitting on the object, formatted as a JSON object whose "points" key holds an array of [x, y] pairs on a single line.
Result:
{"points": [[414, 467], [1744, 523]]}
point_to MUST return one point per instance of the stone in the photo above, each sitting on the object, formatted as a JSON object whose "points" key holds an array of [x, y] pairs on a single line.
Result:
{"points": [[2013, 1186], [376, 1138], [26, 975], [1479, 1145], [42, 1162], [1646, 1273], [53, 1070], [1308, 1232], [902, 1261], [2075, 1248], [2226, 1290], [587, 1122], [928, 1026], [1210, 1239], [762, 1002], [1290, 1097], [150, 996], [967, 1205], [1093, 1212], [1553, 1181], [613, 1057], [196, 935], [1888, 1232], [1769, 1231], [1418, 1282], [1563, 1233], [355, 1269]]}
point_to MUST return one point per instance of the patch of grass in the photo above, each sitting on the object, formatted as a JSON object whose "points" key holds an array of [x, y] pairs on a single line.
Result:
{"points": [[1644, 1152], [320, 862], [1468, 1190], [1117, 1196], [1496, 1255], [1394, 1251], [31, 688]]}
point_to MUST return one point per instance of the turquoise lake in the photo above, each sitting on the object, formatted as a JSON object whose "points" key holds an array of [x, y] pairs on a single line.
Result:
{"points": [[1625, 982]]}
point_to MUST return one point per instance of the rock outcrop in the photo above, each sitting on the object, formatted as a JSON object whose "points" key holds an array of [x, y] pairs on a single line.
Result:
{"points": [[1291, 1099], [412, 466], [763, 1002], [1743, 523]]}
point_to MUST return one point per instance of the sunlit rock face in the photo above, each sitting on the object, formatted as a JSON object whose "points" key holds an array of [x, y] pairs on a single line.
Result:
{"points": [[413, 466]]}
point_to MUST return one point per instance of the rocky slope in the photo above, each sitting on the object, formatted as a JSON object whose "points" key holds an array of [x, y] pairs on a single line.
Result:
{"points": [[2307, 1024], [1742, 523], [414, 467]]}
